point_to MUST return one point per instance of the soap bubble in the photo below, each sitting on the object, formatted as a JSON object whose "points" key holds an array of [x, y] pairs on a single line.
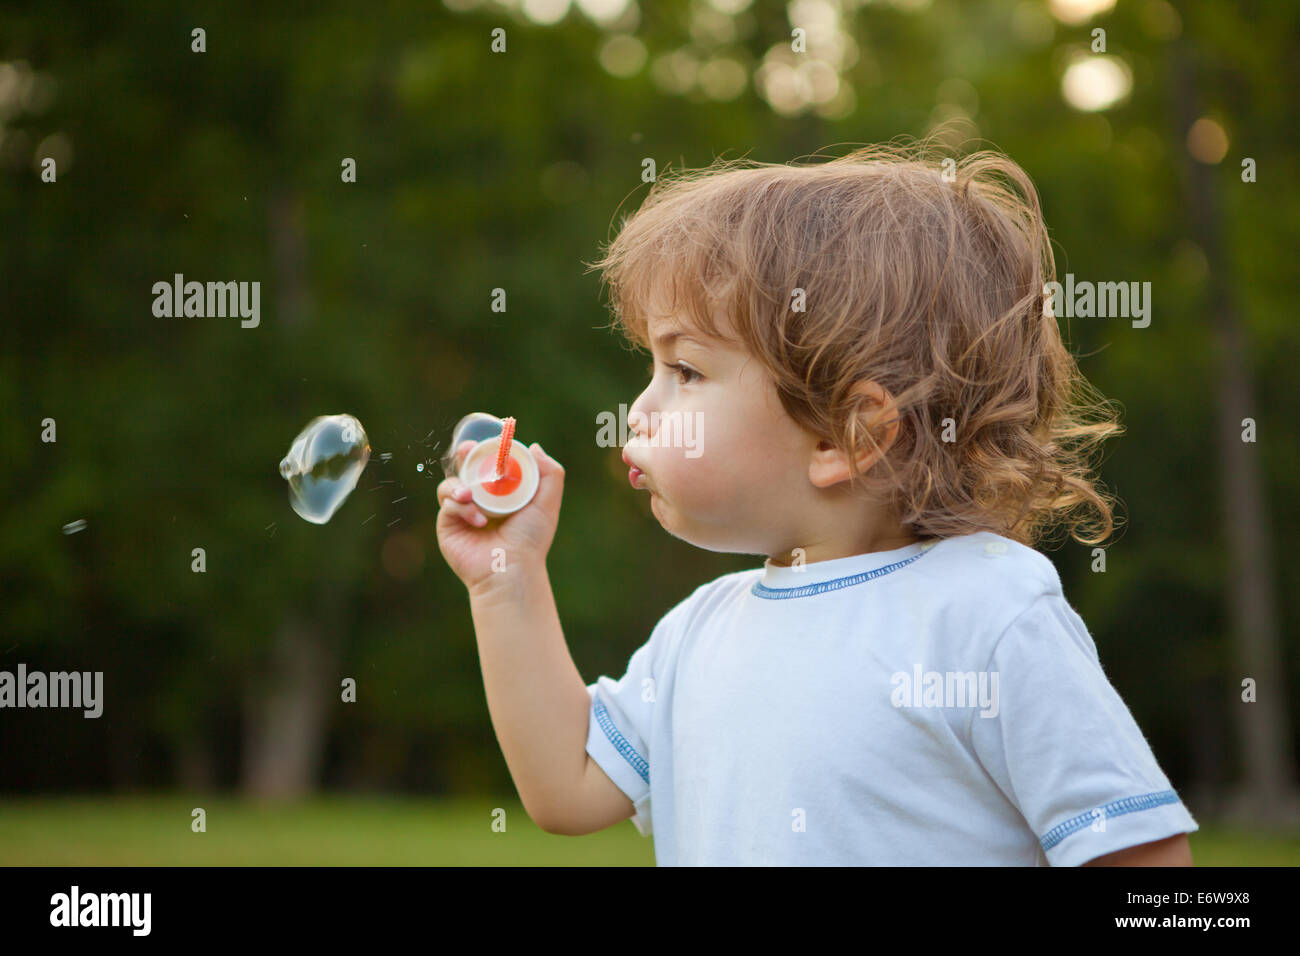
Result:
{"points": [[476, 426], [323, 465]]}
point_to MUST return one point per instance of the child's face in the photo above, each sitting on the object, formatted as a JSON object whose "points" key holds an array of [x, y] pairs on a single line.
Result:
{"points": [[725, 465]]}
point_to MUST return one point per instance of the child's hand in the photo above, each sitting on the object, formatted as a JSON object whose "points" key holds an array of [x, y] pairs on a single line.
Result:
{"points": [[468, 538]]}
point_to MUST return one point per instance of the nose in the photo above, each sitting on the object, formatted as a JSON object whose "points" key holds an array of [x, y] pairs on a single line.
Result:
{"points": [[638, 416]]}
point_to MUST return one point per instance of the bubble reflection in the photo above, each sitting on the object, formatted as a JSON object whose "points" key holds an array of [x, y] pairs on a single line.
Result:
{"points": [[323, 465]]}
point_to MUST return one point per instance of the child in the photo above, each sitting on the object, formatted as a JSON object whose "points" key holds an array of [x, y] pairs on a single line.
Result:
{"points": [[884, 408]]}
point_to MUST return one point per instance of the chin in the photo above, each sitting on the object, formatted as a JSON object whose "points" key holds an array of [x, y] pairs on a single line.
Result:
{"points": [[696, 540]]}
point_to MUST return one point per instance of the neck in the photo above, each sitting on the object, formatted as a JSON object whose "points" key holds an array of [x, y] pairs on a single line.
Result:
{"points": [[831, 550]]}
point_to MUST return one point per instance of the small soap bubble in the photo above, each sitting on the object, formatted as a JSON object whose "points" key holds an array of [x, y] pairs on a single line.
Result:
{"points": [[323, 465], [420, 467], [476, 427]]}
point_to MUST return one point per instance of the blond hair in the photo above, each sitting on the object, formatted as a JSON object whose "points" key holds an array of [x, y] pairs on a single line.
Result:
{"points": [[922, 273]]}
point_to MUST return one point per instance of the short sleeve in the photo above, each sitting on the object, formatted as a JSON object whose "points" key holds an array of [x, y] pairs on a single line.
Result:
{"points": [[1064, 747], [622, 713]]}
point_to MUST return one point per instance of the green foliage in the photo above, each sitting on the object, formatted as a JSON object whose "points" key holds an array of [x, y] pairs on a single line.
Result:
{"points": [[478, 171]]}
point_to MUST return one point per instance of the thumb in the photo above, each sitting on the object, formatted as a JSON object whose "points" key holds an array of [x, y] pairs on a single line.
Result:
{"points": [[550, 480], [547, 467]]}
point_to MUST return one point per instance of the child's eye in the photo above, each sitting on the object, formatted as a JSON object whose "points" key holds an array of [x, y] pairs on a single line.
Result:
{"points": [[688, 374]]}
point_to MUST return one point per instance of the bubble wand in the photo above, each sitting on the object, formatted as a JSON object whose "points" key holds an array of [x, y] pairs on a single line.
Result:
{"points": [[507, 435], [504, 473]]}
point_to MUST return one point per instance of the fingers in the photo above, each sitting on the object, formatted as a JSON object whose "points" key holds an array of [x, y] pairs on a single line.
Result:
{"points": [[468, 513], [455, 498], [466, 510]]}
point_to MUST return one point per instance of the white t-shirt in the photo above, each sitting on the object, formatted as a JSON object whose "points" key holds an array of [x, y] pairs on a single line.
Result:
{"points": [[940, 704]]}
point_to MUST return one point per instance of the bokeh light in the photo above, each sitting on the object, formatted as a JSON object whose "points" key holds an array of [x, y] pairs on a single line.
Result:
{"points": [[545, 12], [1075, 12], [1095, 83], [623, 55], [1207, 141]]}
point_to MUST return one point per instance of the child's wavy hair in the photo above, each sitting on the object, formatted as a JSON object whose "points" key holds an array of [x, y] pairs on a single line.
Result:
{"points": [[922, 273]]}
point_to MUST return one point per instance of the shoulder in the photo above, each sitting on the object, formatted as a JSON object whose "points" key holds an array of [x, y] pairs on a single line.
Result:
{"points": [[989, 578], [710, 597], [713, 594], [985, 560]]}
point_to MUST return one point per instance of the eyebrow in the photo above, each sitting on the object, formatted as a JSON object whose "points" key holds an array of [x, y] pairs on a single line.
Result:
{"points": [[668, 338]]}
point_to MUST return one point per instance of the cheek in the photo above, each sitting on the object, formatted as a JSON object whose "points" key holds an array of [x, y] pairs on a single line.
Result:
{"points": [[677, 473], [727, 475]]}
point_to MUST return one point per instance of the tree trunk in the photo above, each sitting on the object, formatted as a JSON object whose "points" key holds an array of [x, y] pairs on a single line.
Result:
{"points": [[1267, 795], [286, 713], [195, 772], [286, 717], [289, 260]]}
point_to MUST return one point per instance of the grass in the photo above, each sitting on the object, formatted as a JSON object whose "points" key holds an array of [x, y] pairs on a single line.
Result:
{"points": [[377, 831], [324, 831]]}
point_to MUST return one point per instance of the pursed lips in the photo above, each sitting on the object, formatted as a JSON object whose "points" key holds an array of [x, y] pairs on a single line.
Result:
{"points": [[634, 474]]}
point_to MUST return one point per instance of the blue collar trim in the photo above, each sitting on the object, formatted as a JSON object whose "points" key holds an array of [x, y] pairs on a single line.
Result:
{"points": [[808, 590]]}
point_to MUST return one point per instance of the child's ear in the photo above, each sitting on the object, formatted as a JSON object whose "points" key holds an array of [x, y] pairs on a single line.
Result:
{"points": [[830, 465]]}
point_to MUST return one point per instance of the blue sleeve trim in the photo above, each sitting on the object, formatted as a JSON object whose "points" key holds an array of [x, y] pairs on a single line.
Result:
{"points": [[1113, 809], [639, 763]]}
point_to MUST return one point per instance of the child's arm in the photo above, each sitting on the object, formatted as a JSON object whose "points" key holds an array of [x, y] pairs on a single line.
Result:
{"points": [[536, 698], [1066, 750], [540, 706], [1171, 851]]}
